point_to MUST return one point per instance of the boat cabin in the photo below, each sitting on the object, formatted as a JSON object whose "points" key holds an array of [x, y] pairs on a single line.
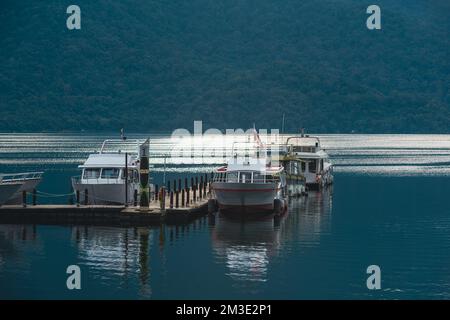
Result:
{"points": [[248, 173], [109, 168]]}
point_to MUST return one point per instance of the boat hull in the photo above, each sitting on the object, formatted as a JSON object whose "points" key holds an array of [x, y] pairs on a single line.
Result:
{"points": [[105, 194], [28, 186], [7, 191], [252, 200]]}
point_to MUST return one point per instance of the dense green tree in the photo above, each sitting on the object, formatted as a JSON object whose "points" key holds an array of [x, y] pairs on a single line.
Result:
{"points": [[159, 65]]}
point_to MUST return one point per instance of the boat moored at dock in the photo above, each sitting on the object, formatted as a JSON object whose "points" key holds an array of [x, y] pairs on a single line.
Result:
{"points": [[314, 163], [7, 190], [250, 187], [109, 178], [19, 182]]}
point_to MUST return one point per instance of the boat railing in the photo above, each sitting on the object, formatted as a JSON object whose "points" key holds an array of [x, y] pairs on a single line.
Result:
{"points": [[257, 180], [100, 180], [117, 143], [17, 177]]}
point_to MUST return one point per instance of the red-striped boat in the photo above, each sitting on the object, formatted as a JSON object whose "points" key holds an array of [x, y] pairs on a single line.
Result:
{"points": [[250, 187]]}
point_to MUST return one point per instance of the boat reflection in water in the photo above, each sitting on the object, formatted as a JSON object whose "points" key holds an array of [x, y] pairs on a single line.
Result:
{"points": [[309, 218], [198, 260], [247, 248], [112, 253]]}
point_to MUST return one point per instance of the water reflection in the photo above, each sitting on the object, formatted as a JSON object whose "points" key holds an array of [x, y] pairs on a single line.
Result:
{"points": [[111, 252], [247, 248], [141, 261], [309, 218]]}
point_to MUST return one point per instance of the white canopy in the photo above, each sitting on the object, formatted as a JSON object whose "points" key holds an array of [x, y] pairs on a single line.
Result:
{"points": [[109, 160]]}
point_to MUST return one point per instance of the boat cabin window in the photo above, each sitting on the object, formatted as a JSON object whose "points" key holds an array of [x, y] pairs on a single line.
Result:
{"points": [[312, 166], [232, 177], [91, 173], [245, 177], [309, 149], [258, 177], [110, 173]]}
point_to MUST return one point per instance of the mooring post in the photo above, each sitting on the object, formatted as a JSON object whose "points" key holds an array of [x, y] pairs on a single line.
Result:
{"points": [[34, 197], [144, 173], [182, 198], [78, 198], [126, 179], [168, 186], [135, 198], [201, 187], [177, 193], [156, 192], [196, 189], [86, 197], [188, 191], [194, 193], [162, 199], [24, 198], [171, 199]]}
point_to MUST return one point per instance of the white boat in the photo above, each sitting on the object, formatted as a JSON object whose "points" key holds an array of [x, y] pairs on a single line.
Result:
{"points": [[7, 190], [315, 164], [251, 187], [27, 181], [103, 178]]}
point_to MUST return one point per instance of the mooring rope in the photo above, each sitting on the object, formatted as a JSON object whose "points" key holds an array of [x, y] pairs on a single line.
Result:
{"points": [[53, 195]]}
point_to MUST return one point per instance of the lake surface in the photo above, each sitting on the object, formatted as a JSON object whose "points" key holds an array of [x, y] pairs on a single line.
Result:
{"points": [[389, 207]]}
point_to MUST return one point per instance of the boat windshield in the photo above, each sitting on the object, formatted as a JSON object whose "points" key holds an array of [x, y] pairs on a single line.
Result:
{"points": [[91, 173], [245, 177], [304, 149], [110, 173], [232, 176]]}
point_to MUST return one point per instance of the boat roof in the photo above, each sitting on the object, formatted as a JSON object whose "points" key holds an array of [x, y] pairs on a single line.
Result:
{"points": [[250, 165], [109, 160], [306, 141], [311, 155]]}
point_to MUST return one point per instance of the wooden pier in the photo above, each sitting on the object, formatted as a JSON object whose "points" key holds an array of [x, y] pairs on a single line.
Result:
{"points": [[101, 215], [178, 206]]}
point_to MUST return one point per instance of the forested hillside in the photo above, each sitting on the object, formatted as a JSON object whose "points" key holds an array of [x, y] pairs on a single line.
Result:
{"points": [[159, 65]]}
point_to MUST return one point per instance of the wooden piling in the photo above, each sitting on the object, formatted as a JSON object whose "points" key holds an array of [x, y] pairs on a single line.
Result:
{"points": [[182, 198], [188, 191], [86, 197], [24, 198], [78, 198], [135, 197], [34, 197]]}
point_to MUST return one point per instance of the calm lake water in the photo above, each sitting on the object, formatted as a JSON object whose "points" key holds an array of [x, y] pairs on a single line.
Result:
{"points": [[389, 206]]}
